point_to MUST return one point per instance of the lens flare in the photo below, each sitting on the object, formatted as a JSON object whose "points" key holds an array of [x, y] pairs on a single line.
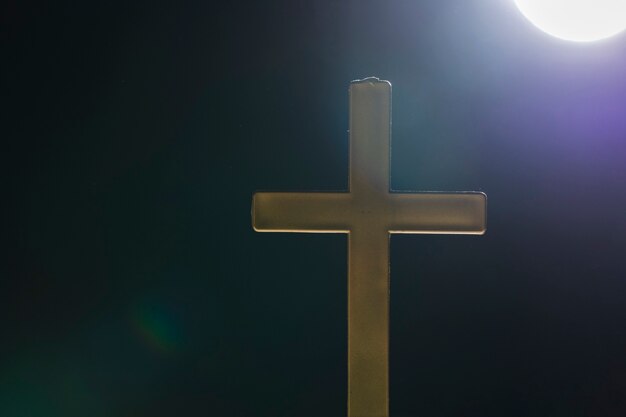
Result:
{"points": [[576, 20], [156, 327]]}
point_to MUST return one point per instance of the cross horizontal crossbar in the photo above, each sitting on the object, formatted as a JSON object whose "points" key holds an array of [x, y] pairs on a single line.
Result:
{"points": [[418, 213]]}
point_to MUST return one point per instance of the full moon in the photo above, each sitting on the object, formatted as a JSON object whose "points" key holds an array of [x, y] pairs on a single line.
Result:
{"points": [[576, 20]]}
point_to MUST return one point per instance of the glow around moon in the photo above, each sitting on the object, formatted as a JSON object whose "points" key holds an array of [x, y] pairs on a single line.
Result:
{"points": [[576, 20]]}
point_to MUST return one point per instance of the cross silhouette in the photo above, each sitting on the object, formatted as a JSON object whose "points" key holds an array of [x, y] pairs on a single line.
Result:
{"points": [[368, 213]]}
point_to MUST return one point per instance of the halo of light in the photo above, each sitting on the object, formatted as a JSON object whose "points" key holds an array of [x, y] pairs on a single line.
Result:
{"points": [[576, 20]]}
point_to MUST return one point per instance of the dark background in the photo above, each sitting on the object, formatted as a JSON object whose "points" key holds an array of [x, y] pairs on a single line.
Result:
{"points": [[133, 137]]}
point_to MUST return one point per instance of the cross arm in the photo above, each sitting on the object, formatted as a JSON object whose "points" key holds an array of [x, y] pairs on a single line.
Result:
{"points": [[301, 212], [438, 213]]}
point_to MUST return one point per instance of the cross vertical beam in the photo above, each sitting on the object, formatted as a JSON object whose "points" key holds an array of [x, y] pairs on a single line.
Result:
{"points": [[368, 251]]}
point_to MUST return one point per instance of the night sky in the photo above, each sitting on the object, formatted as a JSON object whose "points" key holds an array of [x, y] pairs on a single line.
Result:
{"points": [[134, 135]]}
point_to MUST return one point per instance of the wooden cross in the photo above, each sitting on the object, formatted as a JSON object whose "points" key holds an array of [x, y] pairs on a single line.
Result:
{"points": [[368, 213]]}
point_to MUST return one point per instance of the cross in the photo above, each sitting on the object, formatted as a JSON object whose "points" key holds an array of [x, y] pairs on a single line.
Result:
{"points": [[369, 213]]}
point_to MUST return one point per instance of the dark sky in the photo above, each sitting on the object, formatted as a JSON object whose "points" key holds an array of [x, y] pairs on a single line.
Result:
{"points": [[135, 134]]}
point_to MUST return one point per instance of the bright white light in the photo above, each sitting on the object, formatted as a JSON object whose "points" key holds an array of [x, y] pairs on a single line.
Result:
{"points": [[576, 20]]}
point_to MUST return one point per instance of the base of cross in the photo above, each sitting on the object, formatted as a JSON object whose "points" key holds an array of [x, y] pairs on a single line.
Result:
{"points": [[369, 213]]}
